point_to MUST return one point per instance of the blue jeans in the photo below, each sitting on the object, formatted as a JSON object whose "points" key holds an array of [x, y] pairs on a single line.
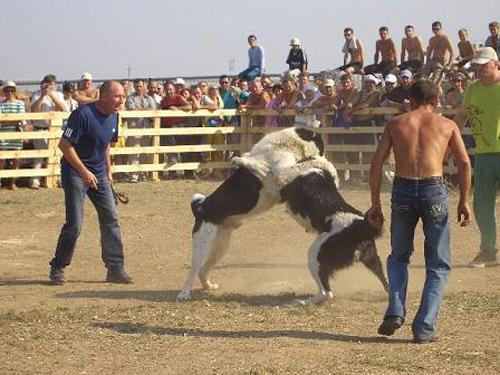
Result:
{"points": [[250, 73], [74, 194], [413, 199]]}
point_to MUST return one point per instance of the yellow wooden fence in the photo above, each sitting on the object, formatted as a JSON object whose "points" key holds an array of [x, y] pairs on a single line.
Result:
{"points": [[245, 130]]}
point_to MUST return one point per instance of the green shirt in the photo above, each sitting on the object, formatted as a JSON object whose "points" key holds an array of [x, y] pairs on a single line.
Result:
{"points": [[482, 104]]}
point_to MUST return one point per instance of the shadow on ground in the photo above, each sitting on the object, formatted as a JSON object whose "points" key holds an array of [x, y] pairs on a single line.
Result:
{"points": [[136, 328]]}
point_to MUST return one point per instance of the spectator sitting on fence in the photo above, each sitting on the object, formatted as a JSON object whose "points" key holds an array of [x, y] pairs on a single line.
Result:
{"points": [[493, 40], [10, 105], [465, 52], [387, 50], [68, 93], [138, 101], [390, 82], [153, 92], [296, 60], [399, 97], [353, 53], [412, 51], [291, 95], [439, 54], [45, 100], [256, 60], [172, 101], [86, 93]]}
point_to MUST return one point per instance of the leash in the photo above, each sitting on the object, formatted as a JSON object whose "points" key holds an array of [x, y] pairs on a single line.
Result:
{"points": [[119, 197]]}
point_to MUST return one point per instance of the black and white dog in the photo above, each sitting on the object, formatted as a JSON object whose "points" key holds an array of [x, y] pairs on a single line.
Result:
{"points": [[313, 199], [282, 167]]}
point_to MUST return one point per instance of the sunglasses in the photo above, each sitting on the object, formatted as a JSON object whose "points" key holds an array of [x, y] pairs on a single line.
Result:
{"points": [[436, 28], [224, 82]]}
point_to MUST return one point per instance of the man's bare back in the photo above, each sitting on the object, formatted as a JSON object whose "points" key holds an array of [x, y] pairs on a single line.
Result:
{"points": [[419, 140]]}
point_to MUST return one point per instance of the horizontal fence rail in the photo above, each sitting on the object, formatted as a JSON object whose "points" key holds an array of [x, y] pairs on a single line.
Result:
{"points": [[211, 144]]}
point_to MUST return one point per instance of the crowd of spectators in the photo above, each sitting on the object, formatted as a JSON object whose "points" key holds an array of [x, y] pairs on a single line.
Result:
{"points": [[353, 85]]}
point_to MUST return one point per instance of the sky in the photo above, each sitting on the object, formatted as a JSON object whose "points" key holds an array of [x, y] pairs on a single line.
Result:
{"points": [[170, 38]]}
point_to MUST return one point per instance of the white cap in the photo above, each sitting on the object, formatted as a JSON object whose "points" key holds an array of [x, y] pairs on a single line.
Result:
{"points": [[371, 78], [294, 42], [310, 87], [484, 55], [391, 78], [329, 82], [9, 84], [406, 73], [179, 81], [86, 76]]}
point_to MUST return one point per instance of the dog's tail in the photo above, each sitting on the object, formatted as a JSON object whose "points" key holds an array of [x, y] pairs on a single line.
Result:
{"points": [[197, 204]]}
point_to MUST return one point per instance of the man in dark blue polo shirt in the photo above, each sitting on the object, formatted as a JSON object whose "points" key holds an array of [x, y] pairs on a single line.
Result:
{"points": [[86, 170]]}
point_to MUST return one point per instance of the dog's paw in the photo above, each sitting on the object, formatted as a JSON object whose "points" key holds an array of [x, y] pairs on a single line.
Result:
{"points": [[207, 285], [185, 295]]}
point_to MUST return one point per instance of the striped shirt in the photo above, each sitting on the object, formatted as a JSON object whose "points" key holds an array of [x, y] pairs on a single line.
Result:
{"points": [[11, 126]]}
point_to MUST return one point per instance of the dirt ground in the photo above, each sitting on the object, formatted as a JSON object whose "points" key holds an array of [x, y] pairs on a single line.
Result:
{"points": [[248, 326]]}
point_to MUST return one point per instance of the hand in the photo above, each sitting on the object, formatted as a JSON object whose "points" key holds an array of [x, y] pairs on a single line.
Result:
{"points": [[110, 176], [375, 216], [89, 179], [463, 214]]}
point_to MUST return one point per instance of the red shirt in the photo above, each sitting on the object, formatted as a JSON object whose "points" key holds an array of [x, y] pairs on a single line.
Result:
{"points": [[166, 103]]}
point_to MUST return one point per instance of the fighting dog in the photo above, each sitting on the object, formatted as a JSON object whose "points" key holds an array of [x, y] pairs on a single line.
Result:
{"points": [[310, 191], [272, 173]]}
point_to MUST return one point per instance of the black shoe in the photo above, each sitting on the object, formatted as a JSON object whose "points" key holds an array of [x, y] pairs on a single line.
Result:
{"points": [[118, 276], [426, 339], [390, 325], [56, 276]]}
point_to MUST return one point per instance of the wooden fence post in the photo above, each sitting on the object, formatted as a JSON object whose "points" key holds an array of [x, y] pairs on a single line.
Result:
{"points": [[156, 143], [53, 160], [246, 136]]}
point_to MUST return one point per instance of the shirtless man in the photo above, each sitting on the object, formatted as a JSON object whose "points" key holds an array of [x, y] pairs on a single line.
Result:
{"points": [[412, 51], [387, 50], [419, 139], [439, 54], [86, 93], [353, 53]]}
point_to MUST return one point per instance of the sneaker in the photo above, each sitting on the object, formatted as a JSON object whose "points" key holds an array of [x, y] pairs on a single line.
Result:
{"points": [[34, 183], [390, 325], [56, 276], [483, 259], [118, 276]]}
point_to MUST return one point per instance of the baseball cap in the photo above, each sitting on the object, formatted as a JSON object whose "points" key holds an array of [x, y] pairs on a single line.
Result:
{"points": [[406, 73], [390, 78], [179, 81], [329, 82], [484, 55], [294, 42], [9, 84], [371, 78], [86, 76]]}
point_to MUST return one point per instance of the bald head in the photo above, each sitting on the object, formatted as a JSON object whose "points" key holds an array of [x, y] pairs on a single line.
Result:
{"points": [[111, 98]]}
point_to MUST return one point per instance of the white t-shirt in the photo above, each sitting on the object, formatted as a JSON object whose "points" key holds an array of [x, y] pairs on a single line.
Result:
{"points": [[48, 105]]}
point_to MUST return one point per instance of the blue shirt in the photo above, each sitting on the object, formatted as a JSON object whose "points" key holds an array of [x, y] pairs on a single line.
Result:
{"points": [[256, 58], [90, 132]]}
